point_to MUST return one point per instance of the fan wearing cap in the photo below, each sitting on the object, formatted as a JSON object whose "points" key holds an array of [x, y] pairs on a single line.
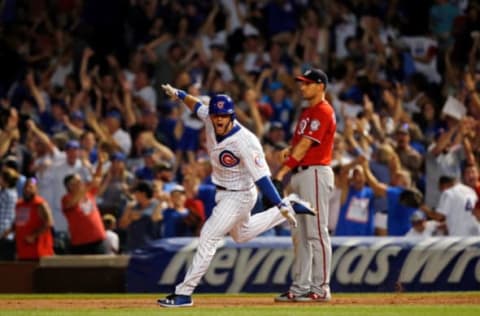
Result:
{"points": [[179, 220], [75, 122], [421, 227], [146, 171], [312, 179], [164, 172]]}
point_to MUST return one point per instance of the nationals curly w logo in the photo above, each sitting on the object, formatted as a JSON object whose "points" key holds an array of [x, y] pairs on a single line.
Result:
{"points": [[228, 159]]}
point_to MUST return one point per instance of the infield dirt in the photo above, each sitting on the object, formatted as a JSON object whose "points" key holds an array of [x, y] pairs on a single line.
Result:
{"points": [[234, 301]]}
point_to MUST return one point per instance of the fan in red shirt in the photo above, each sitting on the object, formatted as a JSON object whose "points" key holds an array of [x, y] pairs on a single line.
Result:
{"points": [[33, 224], [87, 233]]}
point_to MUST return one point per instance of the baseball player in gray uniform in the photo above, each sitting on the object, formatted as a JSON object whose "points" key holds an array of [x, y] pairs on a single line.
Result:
{"points": [[312, 178], [239, 167]]}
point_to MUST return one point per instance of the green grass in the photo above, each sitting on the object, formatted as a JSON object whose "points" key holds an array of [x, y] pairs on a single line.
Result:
{"points": [[268, 310]]}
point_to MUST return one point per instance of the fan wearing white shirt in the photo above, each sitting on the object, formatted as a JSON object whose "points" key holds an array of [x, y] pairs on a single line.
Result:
{"points": [[421, 227], [456, 206], [112, 242]]}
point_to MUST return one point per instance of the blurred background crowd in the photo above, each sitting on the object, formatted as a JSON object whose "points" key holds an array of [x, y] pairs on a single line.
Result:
{"points": [[93, 147]]}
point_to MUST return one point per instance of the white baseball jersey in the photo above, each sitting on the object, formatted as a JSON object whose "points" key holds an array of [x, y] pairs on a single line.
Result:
{"points": [[457, 203], [238, 160]]}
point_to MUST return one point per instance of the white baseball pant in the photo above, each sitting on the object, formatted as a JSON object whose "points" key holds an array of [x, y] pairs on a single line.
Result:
{"points": [[230, 215]]}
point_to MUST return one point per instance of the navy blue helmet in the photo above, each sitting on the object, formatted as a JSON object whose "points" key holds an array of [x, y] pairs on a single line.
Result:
{"points": [[221, 104]]}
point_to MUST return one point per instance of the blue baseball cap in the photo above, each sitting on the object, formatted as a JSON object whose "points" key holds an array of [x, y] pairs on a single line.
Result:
{"points": [[418, 216], [114, 114], [178, 188], [59, 102], [403, 129], [72, 144], [118, 156], [77, 115], [148, 152], [275, 125], [275, 85]]}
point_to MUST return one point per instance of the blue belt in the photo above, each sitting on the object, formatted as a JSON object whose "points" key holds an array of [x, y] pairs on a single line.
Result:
{"points": [[219, 187]]}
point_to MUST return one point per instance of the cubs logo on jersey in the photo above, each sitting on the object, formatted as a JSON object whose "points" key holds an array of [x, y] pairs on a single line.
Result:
{"points": [[228, 159], [259, 161]]}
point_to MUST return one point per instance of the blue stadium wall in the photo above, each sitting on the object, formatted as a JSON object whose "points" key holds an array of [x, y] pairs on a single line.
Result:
{"points": [[358, 265]]}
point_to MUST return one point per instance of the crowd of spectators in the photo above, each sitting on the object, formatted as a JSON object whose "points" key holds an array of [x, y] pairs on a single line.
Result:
{"points": [[83, 114]]}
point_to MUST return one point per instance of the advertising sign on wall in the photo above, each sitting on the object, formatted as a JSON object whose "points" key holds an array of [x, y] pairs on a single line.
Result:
{"points": [[358, 264]]}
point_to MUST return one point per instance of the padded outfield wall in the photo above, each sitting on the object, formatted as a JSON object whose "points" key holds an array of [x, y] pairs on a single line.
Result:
{"points": [[358, 265]]}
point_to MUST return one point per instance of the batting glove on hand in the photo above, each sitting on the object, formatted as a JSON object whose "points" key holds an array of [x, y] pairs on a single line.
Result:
{"points": [[288, 212], [170, 91]]}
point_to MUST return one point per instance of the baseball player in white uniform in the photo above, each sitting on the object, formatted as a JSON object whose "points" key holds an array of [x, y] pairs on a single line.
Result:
{"points": [[239, 166]]}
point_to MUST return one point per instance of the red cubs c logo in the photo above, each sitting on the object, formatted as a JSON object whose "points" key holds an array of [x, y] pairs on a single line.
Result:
{"points": [[228, 159], [220, 104]]}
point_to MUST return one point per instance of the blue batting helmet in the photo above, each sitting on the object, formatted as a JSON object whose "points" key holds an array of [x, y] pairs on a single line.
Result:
{"points": [[221, 104]]}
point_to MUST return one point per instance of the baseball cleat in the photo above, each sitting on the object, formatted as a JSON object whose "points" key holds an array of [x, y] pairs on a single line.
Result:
{"points": [[300, 206], [285, 297], [174, 300], [313, 297]]}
